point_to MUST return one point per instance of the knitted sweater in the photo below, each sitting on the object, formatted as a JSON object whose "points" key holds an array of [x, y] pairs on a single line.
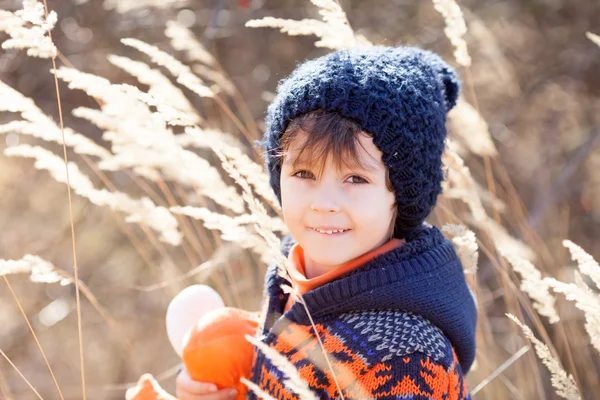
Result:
{"points": [[400, 326], [302, 284]]}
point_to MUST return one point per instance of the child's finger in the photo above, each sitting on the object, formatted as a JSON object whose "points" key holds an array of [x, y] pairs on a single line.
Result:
{"points": [[186, 384], [224, 394]]}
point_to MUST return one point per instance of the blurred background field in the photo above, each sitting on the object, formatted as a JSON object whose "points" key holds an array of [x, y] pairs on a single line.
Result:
{"points": [[536, 80]]}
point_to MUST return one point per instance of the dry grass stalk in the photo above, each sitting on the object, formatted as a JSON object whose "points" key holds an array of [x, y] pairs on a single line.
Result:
{"points": [[166, 113], [504, 240], [498, 371], [261, 224], [142, 211], [181, 72], [116, 105], [196, 137], [234, 229], [466, 243], [471, 128], [585, 262], [293, 381], [273, 242], [580, 293], [40, 270], [563, 383], [182, 39], [214, 220], [21, 374], [142, 140], [70, 203], [593, 37], [118, 108], [257, 209], [332, 15], [334, 31], [254, 174], [219, 79], [535, 287], [159, 84], [222, 255], [488, 199], [204, 138], [261, 394], [500, 73], [455, 29], [460, 185], [586, 300], [124, 6], [35, 123], [29, 29], [120, 142]]}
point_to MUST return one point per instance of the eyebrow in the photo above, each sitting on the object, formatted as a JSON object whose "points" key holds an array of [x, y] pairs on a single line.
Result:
{"points": [[365, 166], [368, 166]]}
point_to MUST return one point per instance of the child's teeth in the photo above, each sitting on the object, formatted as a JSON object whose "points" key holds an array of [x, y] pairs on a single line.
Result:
{"points": [[329, 232]]}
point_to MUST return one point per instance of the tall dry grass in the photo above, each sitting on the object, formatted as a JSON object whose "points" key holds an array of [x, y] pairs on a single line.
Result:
{"points": [[198, 208]]}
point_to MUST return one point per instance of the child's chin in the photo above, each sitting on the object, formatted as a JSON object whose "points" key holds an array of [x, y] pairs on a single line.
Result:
{"points": [[325, 258]]}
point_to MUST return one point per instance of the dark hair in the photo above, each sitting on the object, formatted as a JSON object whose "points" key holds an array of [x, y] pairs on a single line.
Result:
{"points": [[327, 132]]}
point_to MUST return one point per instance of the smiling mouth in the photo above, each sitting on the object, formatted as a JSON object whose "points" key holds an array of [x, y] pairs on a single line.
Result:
{"points": [[330, 231]]}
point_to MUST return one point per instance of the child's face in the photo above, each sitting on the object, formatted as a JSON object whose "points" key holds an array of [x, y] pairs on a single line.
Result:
{"points": [[355, 200]]}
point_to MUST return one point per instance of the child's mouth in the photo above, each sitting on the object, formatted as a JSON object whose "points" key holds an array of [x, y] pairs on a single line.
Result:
{"points": [[331, 232]]}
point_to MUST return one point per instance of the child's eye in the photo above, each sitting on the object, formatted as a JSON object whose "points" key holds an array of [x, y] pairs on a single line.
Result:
{"points": [[355, 179], [303, 174]]}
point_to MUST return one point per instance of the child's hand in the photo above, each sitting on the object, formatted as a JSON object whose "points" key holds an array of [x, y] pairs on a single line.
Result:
{"points": [[188, 389]]}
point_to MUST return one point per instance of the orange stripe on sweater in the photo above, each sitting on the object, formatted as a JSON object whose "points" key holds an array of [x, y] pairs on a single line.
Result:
{"points": [[355, 377]]}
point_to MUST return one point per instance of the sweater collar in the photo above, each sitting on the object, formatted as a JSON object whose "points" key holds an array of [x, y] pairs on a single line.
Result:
{"points": [[424, 277], [297, 266]]}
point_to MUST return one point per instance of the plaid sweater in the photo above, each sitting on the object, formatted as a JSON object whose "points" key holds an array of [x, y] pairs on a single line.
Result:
{"points": [[400, 326]]}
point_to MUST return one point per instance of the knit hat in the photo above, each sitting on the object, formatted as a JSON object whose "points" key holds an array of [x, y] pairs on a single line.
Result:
{"points": [[399, 95]]}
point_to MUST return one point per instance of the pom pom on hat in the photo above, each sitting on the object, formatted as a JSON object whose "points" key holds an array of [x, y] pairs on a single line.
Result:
{"points": [[448, 78]]}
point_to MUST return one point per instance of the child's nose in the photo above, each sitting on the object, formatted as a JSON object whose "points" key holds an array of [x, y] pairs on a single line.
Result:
{"points": [[325, 201], [324, 207]]}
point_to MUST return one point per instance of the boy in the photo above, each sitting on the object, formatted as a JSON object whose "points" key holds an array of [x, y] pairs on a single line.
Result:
{"points": [[354, 142]]}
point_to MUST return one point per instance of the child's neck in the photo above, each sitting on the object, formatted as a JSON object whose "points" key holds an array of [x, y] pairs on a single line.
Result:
{"points": [[313, 269]]}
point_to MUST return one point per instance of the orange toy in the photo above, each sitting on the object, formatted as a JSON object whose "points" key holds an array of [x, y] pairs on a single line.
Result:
{"points": [[216, 350], [210, 339], [147, 389]]}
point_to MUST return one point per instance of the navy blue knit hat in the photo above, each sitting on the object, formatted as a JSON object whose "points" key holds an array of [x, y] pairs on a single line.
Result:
{"points": [[399, 95]]}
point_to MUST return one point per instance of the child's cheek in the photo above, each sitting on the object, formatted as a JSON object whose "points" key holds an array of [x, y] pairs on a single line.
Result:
{"points": [[292, 194]]}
